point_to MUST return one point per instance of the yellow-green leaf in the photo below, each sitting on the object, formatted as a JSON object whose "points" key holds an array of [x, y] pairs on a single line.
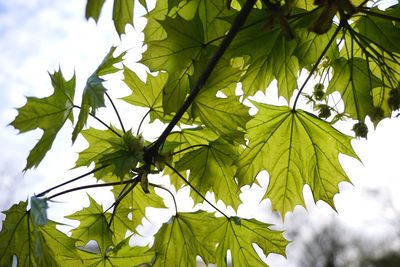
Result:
{"points": [[296, 148]]}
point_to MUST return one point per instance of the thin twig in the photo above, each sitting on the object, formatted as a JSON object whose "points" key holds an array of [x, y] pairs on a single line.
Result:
{"points": [[152, 150], [72, 180], [141, 122], [116, 111], [172, 195], [314, 68], [121, 196], [195, 190], [92, 186], [102, 122], [186, 148]]}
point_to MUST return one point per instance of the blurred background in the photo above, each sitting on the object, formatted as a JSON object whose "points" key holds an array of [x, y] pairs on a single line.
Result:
{"points": [[40, 36]]}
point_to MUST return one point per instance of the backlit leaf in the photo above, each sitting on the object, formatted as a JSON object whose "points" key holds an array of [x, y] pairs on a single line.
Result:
{"points": [[93, 94], [296, 148], [122, 14], [354, 81], [238, 235], [49, 114], [121, 255], [182, 231], [93, 225], [93, 9], [211, 169], [33, 245]]}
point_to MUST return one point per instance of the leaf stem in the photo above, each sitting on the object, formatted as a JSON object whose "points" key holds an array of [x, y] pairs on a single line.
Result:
{"points": [[315, 66], [121, 196], [141, 122], [239, 21], [116, 112], [70, 181], [195, 190], [92, 186], [186, 148], [99, 120], [367, 11], [172, 195]]}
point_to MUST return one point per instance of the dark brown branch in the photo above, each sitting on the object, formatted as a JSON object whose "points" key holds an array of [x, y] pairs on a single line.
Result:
{"points": [[152, 150]]}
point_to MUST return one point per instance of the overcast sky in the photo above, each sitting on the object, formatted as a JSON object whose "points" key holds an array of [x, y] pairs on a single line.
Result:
{"points": [[38, 36]]}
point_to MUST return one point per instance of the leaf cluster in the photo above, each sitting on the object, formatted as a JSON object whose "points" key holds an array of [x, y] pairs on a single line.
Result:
{"points": [[206, 61]]}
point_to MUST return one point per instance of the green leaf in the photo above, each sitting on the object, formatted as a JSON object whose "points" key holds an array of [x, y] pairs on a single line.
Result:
{"points": [[148, 95], [92, 226], [211, 169], [93, 94], [138, 201], [179, 241], [379, 31], [122, 14], [120, 223], [311, 46], [212, 15], [39, 211], [93, 9], [296, 148], [272, 56], [121, 255], [175, 54], [124, 155], [187, 138], [49, 114], [226, 116], [33, 245], [354, 81], [238, 235]]}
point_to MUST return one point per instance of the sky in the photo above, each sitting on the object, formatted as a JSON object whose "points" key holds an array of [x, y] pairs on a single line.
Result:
{"points": [[39, 36]]}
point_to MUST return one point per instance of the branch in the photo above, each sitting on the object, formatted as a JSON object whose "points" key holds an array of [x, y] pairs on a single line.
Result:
{"points": [[152, 150]]}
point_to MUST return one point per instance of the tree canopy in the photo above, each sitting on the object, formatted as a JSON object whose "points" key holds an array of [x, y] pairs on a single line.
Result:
{"points": [[206, 60]]}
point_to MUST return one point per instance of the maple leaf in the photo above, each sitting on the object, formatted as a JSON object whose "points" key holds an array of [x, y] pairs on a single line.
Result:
{"points": [[182, 231], [296, 148], [211, 169], [354, 81], [238, 235], [122, 14], [137, 201], [148, 95], [187, 138], [93, 226], [212, 14], [93, 9], [379, 31], [226, 116], [121, 255], [272, 57], [176, 54], [93, 94], [49, 114], [32, 244]]}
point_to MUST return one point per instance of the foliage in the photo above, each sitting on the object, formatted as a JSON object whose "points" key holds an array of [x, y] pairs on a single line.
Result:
{"points": [[206, 61]]}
